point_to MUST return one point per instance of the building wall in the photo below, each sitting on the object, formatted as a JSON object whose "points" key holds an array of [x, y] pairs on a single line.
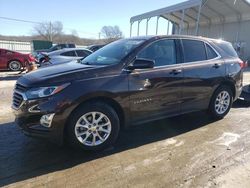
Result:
{"points": [[236, 33]]}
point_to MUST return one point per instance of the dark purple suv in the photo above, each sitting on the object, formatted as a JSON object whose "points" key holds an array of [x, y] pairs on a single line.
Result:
{"points": [[127, 82]]}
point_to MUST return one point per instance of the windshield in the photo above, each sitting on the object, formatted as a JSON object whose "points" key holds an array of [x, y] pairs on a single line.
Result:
{"points": [[112, 53]]}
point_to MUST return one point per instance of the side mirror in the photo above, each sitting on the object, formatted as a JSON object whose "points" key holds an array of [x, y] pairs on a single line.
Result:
{"points": [[141, 64]]}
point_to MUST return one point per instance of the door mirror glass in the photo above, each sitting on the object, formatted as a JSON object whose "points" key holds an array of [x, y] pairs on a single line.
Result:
{"points": [[141, 64]]}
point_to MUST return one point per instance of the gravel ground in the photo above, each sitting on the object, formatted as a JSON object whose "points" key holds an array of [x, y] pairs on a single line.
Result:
{"points": [[185, 151]]}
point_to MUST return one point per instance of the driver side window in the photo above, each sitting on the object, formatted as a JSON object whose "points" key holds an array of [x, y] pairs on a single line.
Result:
{"points": [[162, 52]]}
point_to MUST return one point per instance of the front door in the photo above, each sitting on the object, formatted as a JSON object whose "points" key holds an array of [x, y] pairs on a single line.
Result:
{"points": [[156, 92]]}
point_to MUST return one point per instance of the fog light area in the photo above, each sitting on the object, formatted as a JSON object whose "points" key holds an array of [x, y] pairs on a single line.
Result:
{"points": [[46, 120]]}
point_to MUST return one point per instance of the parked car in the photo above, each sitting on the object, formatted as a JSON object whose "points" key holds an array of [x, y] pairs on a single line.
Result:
{"points": [[127, 82], [95, 47], [63, 56], [56, 47], [14, 61]]}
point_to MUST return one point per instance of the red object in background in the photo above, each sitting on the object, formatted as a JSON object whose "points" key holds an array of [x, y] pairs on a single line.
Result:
{"points": [[242, 64], [15, 61]]}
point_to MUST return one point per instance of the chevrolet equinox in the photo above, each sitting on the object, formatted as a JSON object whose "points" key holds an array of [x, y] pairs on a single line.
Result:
{"points": [[130, 81]]}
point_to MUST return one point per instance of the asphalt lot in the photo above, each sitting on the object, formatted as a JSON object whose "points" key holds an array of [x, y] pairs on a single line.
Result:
{"points": [[185, 151]]}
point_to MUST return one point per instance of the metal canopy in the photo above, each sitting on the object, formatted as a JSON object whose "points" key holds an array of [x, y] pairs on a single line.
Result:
{"points": [[192, 13]]}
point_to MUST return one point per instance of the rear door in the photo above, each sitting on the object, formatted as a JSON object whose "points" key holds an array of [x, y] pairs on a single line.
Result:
{"points": [[203, 70], [63, 57], [156, 92], [69, 55]]}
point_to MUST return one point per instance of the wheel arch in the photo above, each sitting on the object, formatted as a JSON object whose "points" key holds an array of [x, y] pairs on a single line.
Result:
{"points": [[9, 61], [107, 100], [230, 84]]}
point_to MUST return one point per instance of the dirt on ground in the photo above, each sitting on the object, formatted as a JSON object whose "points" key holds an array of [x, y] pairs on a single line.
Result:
{"points": [[185, 151]]}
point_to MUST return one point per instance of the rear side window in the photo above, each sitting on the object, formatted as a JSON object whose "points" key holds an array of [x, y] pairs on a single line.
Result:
{"points": [[95, 48], [69, 53], [9, 52], [210, 52], [71, 46], [227, 48], [81, 53], [194, 50]]}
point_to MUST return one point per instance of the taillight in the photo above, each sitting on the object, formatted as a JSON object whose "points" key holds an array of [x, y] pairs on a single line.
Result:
{"points": [[241, 63], [46, 58], [31, 57]]}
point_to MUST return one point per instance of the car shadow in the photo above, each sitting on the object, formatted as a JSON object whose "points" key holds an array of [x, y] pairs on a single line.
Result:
{"points": [[247, 69], [241, 104], [22, 158]]}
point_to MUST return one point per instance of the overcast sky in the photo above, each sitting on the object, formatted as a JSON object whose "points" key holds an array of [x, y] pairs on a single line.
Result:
{"points": [[86, 17]]}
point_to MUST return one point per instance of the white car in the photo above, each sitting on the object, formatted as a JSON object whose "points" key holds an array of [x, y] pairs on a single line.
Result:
{"points": [[63, 56]]}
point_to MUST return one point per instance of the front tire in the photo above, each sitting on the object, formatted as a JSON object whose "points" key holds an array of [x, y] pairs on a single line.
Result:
{"points": [[221, 102], [93, 126], [15, 65]]}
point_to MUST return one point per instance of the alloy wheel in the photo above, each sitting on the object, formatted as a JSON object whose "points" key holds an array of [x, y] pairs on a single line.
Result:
{"points": [[14, 66], [93, 128], [222, 102]]}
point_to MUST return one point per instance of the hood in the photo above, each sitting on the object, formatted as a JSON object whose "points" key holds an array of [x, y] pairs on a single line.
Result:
{"points": [[57, 74]]}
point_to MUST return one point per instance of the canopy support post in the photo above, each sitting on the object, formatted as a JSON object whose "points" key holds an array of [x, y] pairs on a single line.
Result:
{"points": [[182, 21], [131, 27], [147, 26], [198, 20], [168, 28], [157, 22], [138, 28]]}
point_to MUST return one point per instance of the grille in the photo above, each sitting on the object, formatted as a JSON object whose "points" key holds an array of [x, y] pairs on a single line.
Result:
{"points": [[17, 96], [20, 87], [17, 100]]}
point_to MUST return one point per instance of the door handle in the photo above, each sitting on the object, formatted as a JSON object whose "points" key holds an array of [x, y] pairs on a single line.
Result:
{"points": [[216, 65], [176, 71]]}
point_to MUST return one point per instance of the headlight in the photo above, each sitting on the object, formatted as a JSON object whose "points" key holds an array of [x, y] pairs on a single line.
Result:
{"points": [[44, 91]]}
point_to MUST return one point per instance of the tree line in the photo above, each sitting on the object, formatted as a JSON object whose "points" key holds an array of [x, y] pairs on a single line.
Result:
{"points": [[53, 31]]}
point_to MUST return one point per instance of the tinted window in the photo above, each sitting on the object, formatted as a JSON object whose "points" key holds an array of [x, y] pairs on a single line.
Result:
{"points": [[210, 52], [69, 53], [113, 53], [162, 52], [227, 48], [71, 45], [9, 52], [81, 53], [62, 45], [194, 50], [95, 48]]}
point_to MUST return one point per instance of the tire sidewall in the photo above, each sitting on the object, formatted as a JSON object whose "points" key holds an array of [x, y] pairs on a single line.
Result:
{"points": [[213, 100], [15, 61], [99, 107]]}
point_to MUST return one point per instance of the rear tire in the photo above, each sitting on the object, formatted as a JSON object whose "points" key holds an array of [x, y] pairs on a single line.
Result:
{"points": [[221, 102], [15, 65], [93, 126]]}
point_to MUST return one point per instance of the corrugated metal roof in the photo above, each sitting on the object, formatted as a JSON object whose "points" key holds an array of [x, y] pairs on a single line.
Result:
{"points": [[212, 12]]}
